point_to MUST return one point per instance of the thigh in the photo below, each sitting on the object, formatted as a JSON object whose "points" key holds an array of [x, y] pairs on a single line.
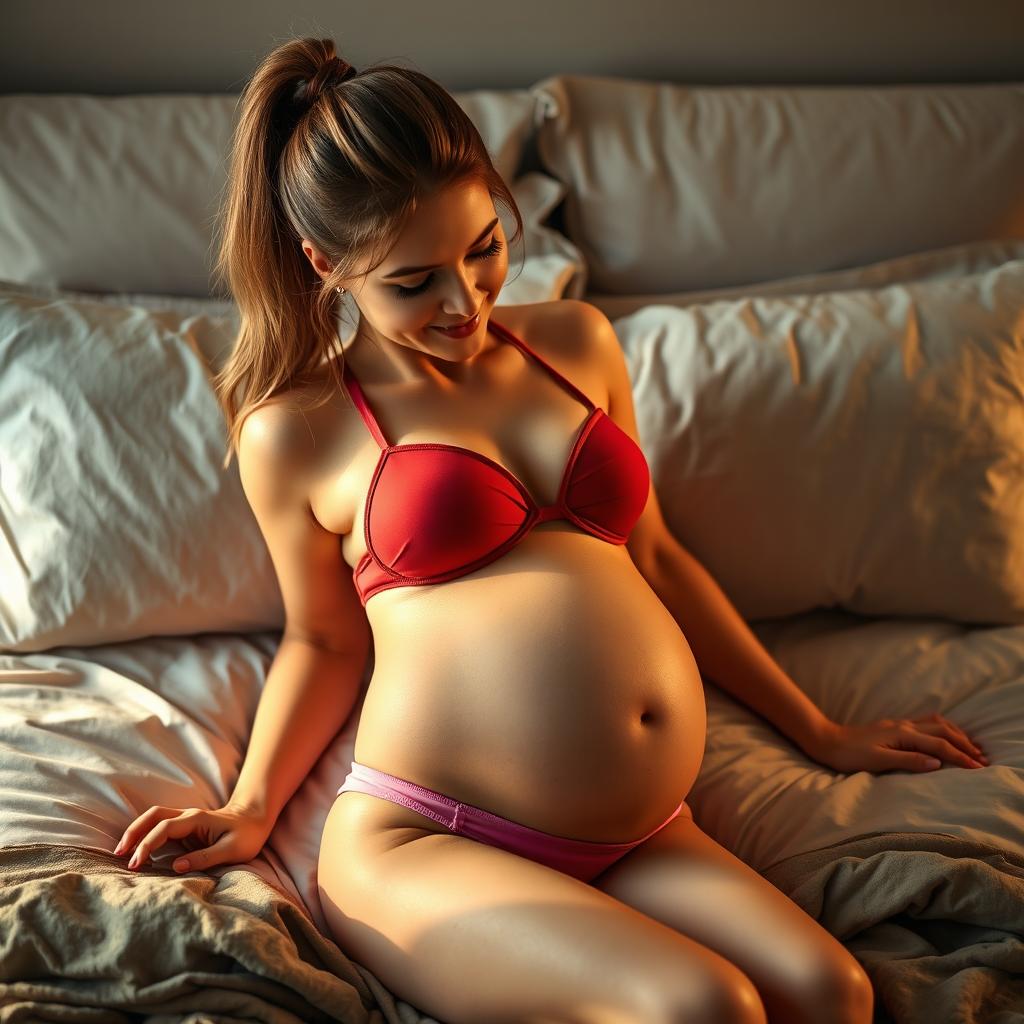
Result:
{"points": [[686, 880], [469, 932]]}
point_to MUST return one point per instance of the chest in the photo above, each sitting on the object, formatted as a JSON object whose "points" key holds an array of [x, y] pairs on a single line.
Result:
{"points": [[521, 423]]}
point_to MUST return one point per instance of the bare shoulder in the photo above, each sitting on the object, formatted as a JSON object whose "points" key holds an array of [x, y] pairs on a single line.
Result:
{"points": [[277, 427], [573, 336], [275, 445], [568, 330]]}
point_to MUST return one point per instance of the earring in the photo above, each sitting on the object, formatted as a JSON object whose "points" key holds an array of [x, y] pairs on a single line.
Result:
{"points": [[340, 291]]}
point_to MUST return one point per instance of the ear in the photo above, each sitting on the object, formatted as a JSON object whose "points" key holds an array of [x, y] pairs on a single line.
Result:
{"points": [[316, 257], [650, 534]]}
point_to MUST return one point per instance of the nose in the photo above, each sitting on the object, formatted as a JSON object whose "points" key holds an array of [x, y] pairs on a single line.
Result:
{"points": [[461, 297]]}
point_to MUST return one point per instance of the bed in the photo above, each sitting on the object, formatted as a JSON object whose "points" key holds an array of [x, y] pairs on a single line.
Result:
{"points": [[820, 296]]}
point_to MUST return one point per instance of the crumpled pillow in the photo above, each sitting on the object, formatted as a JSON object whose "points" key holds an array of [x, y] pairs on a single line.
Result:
{"points": [[861, 449], [116, 519]]}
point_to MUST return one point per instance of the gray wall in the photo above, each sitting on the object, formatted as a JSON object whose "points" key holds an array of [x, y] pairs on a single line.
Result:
{"points": [[106, 47]]}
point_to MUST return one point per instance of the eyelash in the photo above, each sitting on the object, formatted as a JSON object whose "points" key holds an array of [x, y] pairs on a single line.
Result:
{"points": [[407, 293]]}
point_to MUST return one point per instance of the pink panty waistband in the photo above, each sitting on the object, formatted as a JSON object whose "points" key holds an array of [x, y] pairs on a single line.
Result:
{"points": [[581, 858]]}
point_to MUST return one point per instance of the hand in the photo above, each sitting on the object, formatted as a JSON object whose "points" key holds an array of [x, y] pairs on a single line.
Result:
{"points": [[896, 744], [223, 836]]}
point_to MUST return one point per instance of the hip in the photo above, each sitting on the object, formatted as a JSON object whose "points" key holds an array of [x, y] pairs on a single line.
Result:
{"points": [[581, 858]]}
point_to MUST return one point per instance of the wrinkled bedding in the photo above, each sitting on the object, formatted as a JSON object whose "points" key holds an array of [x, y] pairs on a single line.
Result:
{"points": [[920, 874], [937, 921], [82, 938]]}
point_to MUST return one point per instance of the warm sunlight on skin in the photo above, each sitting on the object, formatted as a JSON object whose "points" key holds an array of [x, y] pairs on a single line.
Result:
{"points": [[450, 232]]}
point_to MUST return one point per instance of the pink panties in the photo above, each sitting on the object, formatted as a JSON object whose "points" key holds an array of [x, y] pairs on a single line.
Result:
{"points": [[577, 857]]}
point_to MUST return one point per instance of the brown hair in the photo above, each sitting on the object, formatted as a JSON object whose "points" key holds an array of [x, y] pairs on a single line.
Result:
{"points": [[343, 158]]}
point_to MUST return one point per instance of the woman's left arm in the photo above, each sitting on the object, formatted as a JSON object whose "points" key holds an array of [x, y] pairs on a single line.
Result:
{"points": [[725, 649], [732, 657]]}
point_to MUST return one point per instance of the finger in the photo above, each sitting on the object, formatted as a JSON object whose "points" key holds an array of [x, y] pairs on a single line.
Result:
{"points": [[913, 762], [947, 744], [197, 860], [954, 732], [140, 826], [938, 747], [965, 743], [174, 827], [130, 831], [969, 745], [918, 762], [217, 853], [142, 849]]}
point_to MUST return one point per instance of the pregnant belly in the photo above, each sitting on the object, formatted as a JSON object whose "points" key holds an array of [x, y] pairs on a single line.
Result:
{"points": [[565, 699]]}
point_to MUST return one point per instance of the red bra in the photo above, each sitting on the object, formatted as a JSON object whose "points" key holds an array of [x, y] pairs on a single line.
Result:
{"points": [[437, 511]]}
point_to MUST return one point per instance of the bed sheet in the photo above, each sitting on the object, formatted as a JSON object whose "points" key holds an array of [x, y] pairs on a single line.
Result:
{"points": [[93, 736]]}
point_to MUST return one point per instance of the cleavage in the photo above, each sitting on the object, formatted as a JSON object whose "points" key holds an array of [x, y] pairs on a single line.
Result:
{"points": [[531, 438]]}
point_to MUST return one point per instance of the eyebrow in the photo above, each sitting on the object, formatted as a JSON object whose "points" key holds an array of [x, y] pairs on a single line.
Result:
{"points": [[415, 270]]}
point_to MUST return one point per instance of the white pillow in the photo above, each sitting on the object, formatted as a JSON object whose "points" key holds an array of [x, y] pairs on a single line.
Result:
{"points": [[932, 264], [677, 187], [119, 193], [118, 521], [545, 265], [861, 449]]}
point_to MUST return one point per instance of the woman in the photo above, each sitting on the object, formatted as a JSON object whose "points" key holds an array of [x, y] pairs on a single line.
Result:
{"points": [[513, 842]]}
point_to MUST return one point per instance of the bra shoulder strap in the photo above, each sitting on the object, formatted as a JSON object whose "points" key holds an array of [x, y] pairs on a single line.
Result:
{"points": [[523, 347], [362, 405]]}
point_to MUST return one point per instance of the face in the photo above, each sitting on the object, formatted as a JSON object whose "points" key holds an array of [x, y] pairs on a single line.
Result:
{"points": [[458, 234]]}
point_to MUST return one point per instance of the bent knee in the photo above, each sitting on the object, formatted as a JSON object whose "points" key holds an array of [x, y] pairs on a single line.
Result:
{"points": [[852, 987], [840, 986], [722, 994]]}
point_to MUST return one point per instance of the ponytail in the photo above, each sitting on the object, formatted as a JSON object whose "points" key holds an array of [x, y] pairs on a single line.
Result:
{"points": [[341, 157]]}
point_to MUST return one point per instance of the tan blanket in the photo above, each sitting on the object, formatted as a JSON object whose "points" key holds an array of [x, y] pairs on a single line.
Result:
{"points": [[83, 938], [937, 922]]}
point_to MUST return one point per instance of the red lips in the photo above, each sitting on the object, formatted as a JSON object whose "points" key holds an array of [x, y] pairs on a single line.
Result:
{"points": [[461, 330]]}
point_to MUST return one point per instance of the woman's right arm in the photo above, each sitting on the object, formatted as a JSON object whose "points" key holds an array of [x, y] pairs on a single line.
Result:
{"points": [[307, 697], [314, 680]]}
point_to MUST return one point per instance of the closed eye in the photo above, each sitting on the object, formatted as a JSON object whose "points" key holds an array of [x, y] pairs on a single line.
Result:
{"points": [[492, 250]]}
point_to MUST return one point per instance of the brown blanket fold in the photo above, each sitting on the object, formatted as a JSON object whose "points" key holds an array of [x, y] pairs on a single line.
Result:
{"points": [[937, 921], [83, 938]]}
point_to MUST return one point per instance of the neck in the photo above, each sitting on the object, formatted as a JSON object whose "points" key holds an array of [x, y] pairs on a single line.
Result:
{"points": [[377, 360]]}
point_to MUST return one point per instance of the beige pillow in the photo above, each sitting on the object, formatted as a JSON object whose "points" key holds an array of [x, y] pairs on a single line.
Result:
{"points": [[861, 449], [119, 193], [677, 188], [118, 520], [934, 264]]}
